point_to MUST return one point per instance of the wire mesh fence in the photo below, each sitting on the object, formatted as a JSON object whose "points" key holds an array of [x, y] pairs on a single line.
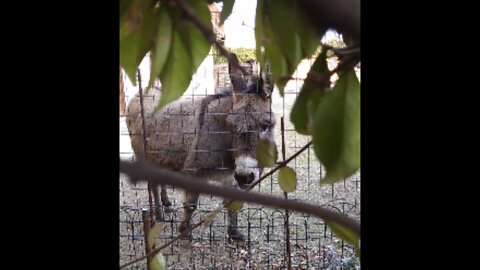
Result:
{"points": [[312, 244]]}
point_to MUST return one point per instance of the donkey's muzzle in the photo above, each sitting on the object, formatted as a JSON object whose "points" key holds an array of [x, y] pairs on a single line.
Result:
{"points": [[244, 180]]}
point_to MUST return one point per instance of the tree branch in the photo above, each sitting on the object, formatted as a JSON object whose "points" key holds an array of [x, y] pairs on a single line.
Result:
{"points": [[281, 164], [209, 34], [140, 171], [156, 250], [252, 185]]}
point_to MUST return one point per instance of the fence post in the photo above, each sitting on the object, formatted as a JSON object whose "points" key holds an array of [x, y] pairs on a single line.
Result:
{"points": [[287, 222]]}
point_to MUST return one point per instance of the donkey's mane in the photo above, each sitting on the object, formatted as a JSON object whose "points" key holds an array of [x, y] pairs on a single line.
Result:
{"points": [[255, 87], [209, 99]]}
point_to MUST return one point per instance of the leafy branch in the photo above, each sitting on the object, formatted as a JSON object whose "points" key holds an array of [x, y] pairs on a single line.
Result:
{"points": [[209, 34], [157, 250], [227, 204], [349, 58], [140, 171]]}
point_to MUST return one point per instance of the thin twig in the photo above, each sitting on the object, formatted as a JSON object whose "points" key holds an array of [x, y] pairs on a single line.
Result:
{"points": [[281, 164], [343, 51], [156, 250], [252, 185], [209, 34], [349, 56], [345, 64]]}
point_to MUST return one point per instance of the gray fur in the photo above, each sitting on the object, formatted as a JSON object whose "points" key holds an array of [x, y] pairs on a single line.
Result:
{"points": [[204, 137]]}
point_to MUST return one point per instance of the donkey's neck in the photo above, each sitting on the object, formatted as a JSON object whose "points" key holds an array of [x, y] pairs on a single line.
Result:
{"points": [[216, 107], [204, 104], [209, 151]]}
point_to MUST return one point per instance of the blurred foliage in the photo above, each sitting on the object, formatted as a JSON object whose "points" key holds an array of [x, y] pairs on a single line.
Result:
{"points": [[243, 54]]}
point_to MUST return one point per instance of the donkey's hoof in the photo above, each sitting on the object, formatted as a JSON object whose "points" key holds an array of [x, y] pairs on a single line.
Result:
{"points": [[235, 234], [158, 214]]}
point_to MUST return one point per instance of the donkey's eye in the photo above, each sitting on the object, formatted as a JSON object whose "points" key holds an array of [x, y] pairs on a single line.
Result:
{"points": [[265, 128]]}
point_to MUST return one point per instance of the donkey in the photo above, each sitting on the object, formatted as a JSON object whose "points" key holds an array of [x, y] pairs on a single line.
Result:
{"points": [[213, 138]]}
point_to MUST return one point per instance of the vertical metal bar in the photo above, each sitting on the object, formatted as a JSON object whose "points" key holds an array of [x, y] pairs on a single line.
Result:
{"points": [[146, 232], [287, 225], [248, 234], [142, 113], [306, 241], [268, 233]]}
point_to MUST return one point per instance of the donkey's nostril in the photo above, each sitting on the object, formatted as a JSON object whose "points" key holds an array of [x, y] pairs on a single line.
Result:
{"points": [[251, 177], [244, 179], [239, 177]]}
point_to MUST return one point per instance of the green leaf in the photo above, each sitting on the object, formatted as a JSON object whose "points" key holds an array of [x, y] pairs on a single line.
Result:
{"points": [[154, 234], [259, 33], [163, 41], [197, 45], [187, 51], [344, 233], [266, 153], [336, 130], [176, 74], [130, 16], [267, 49], [235, 205], [304, 108], [287, 179], [306, 103], [226, 10], [286, 36], [277, 61], [282, 18], [309, 37], [136, 43], [158, 262], [124, 6]]}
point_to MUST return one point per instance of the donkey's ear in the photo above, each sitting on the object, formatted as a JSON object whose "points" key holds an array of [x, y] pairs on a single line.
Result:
{"points": [[236, 75]]}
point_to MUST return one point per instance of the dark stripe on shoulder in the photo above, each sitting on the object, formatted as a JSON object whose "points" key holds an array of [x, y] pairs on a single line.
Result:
{"points": [[207, 100]]}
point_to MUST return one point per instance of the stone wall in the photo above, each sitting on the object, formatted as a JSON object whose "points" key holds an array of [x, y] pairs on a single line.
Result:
{"points": [[220, 76]]}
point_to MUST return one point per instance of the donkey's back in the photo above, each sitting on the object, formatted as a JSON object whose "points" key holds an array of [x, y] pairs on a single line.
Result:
{"points": [[169, 132]]}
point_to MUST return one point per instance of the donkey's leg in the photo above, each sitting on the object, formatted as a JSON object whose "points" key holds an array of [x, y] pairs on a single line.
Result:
{"points": [[190, 205], [157, 206], [165, 200], [233, 231]]}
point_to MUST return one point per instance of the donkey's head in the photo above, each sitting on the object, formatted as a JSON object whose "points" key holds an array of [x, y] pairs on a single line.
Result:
{"points": [[251, 119]]}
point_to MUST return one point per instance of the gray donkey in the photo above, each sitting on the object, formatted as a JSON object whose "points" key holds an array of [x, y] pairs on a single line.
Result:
{"points": [[213, 138]]}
